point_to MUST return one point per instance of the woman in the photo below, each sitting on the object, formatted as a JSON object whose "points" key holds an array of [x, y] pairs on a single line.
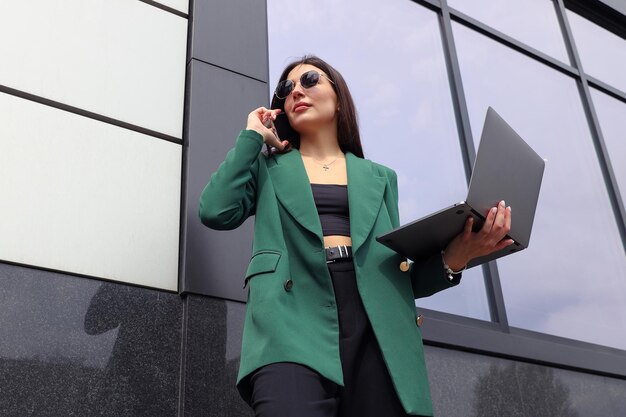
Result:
{"points": [[331, 327]]}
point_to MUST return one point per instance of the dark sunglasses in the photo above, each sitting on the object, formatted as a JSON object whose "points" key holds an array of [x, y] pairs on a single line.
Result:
{"points": [[307, 80]]}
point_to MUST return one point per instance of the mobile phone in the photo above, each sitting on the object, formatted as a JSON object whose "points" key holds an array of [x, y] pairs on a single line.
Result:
{"points": [[269, 123], [283, 128]]}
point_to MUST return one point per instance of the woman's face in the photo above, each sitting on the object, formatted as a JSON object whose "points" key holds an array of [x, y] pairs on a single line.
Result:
{"points": [[310, 108]]}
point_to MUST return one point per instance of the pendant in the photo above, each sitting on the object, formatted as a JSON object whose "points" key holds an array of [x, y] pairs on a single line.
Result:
{"points": [[326, 167]]}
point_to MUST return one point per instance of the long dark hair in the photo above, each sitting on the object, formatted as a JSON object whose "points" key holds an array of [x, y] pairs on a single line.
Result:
{"points": [[347, 125]]}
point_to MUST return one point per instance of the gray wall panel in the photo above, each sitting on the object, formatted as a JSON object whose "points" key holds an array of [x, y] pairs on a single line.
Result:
{"points": [[213, 340], [231, 34], [219, 101]]}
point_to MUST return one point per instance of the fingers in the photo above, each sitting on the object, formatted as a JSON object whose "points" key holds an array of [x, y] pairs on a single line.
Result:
{"points": [[280, 145], [267, 115], [501, 245], [263, 115], [491, 216], [261, 120], [270, 113], [501, 222], [490, 238], [499, 219], [507, 222], [256, 119], [271, 138], [497, 224], [503, 219], [469, 223]]}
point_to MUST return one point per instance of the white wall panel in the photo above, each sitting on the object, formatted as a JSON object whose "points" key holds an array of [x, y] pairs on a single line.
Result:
{"points": [[180, 5], [87, 197], [120, 58]]}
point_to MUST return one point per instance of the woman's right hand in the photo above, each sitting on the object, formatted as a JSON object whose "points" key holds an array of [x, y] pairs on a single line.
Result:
{"points": [[259, 119]]}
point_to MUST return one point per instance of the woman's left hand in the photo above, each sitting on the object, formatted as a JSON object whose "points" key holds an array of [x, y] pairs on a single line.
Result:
{"points": [[490, 238]]}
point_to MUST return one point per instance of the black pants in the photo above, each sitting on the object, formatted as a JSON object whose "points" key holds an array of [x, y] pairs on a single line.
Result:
{"points": [[291, 390]]}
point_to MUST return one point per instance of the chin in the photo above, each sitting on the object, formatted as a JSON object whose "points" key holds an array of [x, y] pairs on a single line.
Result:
{"points": [[304, 122], [299, 122]]}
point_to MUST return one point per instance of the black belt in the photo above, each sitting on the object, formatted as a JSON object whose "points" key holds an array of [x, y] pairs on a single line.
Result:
{"points": [[337, 253]]}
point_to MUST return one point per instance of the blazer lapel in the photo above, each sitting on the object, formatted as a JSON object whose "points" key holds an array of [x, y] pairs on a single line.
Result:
{"points": [[365, 195], [292, 188]]}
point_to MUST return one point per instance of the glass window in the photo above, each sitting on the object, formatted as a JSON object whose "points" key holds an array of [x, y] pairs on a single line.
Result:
{"points": [[532, 22], [570, 281], [612, 117], [603, 54], [392, 59]]}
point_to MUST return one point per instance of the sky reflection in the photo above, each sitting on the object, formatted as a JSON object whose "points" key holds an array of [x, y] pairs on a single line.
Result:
{"points": [[572, 275], [393, 62]]}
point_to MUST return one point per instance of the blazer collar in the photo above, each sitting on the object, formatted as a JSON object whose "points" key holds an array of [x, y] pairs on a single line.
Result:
{"points": [[365, 194], [291, 185]]}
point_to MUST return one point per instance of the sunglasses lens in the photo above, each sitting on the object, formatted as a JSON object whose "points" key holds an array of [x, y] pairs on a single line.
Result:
{"points": [[283, 89], [309, 79]]}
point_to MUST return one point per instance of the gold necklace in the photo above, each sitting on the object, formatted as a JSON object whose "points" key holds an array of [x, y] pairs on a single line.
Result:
{"points": [[326, 167]]}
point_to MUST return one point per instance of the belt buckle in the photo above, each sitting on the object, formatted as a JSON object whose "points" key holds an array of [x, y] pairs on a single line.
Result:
{"points": [[343, 253], [330, 249]]}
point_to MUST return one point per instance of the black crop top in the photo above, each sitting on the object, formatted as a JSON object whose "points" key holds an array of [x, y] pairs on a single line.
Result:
{"points": [[331, 201]]}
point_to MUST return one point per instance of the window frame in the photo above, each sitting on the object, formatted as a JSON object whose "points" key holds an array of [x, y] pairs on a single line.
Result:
{"points": [[498, 338]]}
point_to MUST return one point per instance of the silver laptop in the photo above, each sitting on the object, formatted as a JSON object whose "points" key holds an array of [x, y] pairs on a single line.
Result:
{"points": [[506, 168]]}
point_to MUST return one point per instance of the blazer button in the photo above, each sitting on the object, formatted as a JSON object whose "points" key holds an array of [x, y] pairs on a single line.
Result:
{"points": [[288, 285], [419, 321], [404, 266]]}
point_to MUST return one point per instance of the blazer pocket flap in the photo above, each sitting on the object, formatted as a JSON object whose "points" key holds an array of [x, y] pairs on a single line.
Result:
{"points": [[262, 262]]}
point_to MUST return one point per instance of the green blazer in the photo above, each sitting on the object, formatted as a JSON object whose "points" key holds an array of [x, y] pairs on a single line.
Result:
{"points": [[298, 322]]}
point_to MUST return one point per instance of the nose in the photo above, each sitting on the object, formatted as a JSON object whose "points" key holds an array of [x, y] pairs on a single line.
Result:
{"points": [[297, 90]]}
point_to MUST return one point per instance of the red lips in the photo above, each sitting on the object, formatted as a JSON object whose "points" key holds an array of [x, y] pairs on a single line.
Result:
{"points": [[299, 105]]}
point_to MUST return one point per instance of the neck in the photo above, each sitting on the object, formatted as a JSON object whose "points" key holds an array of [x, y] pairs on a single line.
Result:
{"points": [[320, 144]]}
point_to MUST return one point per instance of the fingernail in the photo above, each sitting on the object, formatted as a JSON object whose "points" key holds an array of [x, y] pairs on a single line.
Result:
{"points": [[502, 203], [494, 209]]}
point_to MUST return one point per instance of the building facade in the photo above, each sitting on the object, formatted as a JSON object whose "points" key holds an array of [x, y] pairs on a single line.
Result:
{"points": [[116, 301]]}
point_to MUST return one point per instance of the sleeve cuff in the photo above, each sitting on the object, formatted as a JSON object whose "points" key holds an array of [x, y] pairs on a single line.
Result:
{"points": [[251, 135]]}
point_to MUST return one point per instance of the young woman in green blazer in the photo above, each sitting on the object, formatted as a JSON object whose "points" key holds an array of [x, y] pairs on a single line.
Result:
{"points": [[331, 328]]}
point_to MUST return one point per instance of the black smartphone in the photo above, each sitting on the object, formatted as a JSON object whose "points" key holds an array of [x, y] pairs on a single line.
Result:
{"points": [[283, 129], [269, 123]]}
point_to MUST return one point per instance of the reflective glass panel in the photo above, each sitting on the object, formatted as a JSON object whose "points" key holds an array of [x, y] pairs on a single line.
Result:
{"points": [[572, 275], [392, 59], [532, 22], [612, 117], [603, 54]]}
